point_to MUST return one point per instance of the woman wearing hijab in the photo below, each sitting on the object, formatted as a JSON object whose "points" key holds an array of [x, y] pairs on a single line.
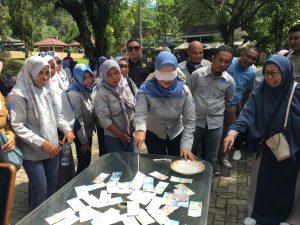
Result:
{"points": [[165, 112], [81, 100], [114, 106], [64, 81], [35, 121], [101, 60], [274, 195]]}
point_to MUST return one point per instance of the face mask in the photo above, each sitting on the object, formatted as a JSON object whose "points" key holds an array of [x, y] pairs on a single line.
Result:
{"points": [[165, 75]]}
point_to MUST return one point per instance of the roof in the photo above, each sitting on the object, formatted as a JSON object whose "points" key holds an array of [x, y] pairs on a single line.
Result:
{"points": [[75, 44], [50, 41], [203, 29]]}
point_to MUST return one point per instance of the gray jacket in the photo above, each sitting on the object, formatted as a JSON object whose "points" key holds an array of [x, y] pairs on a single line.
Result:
{"points": [[108, 109], [83, 107], [167, 116], [211, 93], [27, 128]]}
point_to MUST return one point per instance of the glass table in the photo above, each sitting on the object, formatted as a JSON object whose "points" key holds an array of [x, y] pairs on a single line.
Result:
{"points": [[127, 163]]}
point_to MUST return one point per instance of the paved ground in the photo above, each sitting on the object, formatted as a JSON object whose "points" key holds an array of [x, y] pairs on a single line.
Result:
{"points": [[228, 197]]}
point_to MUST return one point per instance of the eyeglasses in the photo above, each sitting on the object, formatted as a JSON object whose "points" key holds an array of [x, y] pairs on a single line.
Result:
{"points": [[271, 73], [125, 66], [131, 48]]}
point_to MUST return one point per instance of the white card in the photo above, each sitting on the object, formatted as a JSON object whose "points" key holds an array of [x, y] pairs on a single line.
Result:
{"points": [[160, 187], [60, 216], [133, 208], [138, 181], [104, 197], [158, 175], [100, 178], [76, 204], [129, 220], [71, 219], [144, 217]]}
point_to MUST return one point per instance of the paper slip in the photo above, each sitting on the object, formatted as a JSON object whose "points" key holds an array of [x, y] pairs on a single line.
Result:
{"points": [[129, 220], [144, 218], [185, 189], [81, 191], [91, 200], [158, 175], [104, 197], [133, 208], [180, 196], [172, 222], [138, 181], [76, 204], [181, 180], [142, 197], [88, 214], [195, 209], [71, 219], [95, 186], [100, 178], [121, 191], [167, 209], [113, 201], [158, 216], [148, 184], [124, 185], [111, 187], [110, 216], [155, 203], [59, 216], [115, 177], [170, 197], [183, 204], [160, 187]]}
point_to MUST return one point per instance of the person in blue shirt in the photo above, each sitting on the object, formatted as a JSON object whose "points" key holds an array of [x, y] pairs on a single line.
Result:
{"points": [[243, 72]]}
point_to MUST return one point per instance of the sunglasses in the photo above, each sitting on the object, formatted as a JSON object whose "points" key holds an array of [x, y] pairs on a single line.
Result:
{"points": [[125, 66], [131, 48]]}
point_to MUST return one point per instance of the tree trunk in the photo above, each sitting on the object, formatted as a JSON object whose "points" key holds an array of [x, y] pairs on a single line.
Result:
{"points": [[76, 10]]}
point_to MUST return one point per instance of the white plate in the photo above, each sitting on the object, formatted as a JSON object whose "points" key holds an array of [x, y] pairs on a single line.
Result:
{"points": [[187, 167]]}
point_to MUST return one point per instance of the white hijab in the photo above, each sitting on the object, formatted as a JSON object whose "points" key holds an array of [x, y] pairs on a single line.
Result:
{"points": [[40, 98]]}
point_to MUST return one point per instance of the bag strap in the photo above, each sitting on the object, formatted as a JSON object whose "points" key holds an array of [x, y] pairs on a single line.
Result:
{"points": [[289, 105]]}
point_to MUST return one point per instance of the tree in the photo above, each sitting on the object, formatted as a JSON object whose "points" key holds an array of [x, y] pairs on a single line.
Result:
{"points": [[4, 19], [21, 22]]}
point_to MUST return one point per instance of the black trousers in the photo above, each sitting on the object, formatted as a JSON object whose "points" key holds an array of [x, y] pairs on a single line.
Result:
{"points": [[84, 158], [156, 145]]}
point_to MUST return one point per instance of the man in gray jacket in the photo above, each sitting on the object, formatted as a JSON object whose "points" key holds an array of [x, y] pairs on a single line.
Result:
{"points": [[211, 87], [195, 60]]}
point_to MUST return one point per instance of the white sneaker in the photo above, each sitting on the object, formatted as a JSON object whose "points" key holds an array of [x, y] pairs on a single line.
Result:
{"points": [[236, 155], [226, 163], [249, 221], [284, 223]]}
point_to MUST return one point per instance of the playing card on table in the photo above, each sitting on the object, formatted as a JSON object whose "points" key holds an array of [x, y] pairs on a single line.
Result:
{"points": [[185, 189], [156, 202], [172, 222], [124, 185], [69, 220], [82, 191], [158, 215], [129, 220], [88, 214], [168, 209], [181, 180], [115, 177], [195, 209], [104, 196], [148, 184], [91, 200], [133, 208], [100, 178], [95, 186], [158, 175], [180, 196], [142, 197], [60, 216], [76, 204], [144, 218], [138, 181], [160, 187]]}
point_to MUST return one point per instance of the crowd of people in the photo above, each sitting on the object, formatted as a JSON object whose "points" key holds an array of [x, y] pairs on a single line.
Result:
{"points": [[184, 109]]}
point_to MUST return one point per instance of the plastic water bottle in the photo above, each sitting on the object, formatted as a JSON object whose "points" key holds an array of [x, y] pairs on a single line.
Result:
{"points": [[65, 154]]}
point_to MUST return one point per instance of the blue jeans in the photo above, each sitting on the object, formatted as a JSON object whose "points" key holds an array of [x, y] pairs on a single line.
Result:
{"points": [[211, 143], [43, 176], [114, 144]]}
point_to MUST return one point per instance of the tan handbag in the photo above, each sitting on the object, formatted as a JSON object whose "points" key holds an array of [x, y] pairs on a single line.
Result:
{"points": [[278, 143]]}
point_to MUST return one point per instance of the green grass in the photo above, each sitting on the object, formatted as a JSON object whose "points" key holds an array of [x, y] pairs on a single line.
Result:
{"points": [[83, 60]]}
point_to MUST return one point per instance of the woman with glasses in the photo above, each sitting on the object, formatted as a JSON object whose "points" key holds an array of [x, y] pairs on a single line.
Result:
{"points": [[274, 195], [123, 63], [114, 106], [82, 102], [165, 112]]}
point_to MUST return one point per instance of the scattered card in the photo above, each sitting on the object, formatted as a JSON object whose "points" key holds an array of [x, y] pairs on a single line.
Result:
{"points": [[138, 181], [148, 184], [129, 220], [60, 216], [158, 175], [181, 180], [144, 217], [180, 196], [168, 209], [76, 204], [99, 179], [133, 208], [160, 187], [104, 197], [185, 189], [195, 209], [69, 220]]}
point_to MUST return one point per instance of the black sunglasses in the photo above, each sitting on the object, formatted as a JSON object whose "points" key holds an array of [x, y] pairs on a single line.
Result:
{"points": [[131, 48]]}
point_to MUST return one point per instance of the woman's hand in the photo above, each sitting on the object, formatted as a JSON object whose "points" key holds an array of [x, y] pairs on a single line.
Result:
{"points": [[51, 149], [228, 142], [125, 138], [187, 154], [139, 138], [69, 137], [10, 145], [85, 147]]}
